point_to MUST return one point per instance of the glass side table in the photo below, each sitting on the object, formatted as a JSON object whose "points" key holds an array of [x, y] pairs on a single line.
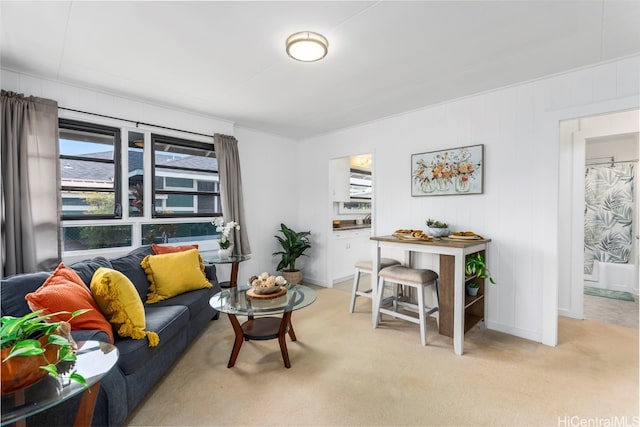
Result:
{"points": [[261, 323], [211, 257], [93, 360]]}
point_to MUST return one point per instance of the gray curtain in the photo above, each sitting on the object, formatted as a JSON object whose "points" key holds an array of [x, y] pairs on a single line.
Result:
{"points": [[226, 148], [30, 221]]}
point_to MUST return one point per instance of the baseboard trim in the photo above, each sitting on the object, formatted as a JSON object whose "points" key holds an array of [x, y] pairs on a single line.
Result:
{"points": [[312, 281], [518, 332]]}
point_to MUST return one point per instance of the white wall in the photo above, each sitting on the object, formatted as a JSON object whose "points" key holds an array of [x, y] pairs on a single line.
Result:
{"points": [[271, 186], [93, 101], [519, 127], [621, 148]]}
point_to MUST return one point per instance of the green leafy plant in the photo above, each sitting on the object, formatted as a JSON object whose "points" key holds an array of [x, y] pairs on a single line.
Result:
{"points": [[432, 223], [21, 335], [293, 246], [474, 265]]}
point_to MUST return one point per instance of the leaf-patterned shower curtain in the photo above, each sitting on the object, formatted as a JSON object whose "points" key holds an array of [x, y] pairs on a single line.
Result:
{"points": [[608, 217]]}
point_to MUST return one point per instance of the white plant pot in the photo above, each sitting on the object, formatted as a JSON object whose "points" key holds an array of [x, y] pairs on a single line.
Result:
{"points": [[438, 232], [224, 253], [472, 291]]}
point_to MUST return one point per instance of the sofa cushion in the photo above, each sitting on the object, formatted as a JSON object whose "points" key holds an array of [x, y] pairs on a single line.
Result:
{"points": [[64, 291], [166, 321], [195, 301], [173, 274], [120, 303], [160, 249], [129, 265], [14, 288], [86, 268], [90, 335]]}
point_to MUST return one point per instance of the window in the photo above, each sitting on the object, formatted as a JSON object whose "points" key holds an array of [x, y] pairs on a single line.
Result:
{"points": [[360, 184], [185, 179], [89, 171], [177, 232], [96, 237], [125, 187]]}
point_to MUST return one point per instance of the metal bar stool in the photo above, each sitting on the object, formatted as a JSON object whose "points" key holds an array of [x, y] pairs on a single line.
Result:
{"points": [[416, 278], [365, 266]]}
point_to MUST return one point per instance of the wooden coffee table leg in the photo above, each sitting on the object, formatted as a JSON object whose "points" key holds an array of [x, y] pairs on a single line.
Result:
{"points": [[292, 333], [238, 341], [87, 405], [282, 338]]}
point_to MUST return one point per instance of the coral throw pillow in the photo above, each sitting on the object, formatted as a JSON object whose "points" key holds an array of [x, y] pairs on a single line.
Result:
{"points": [[64, 291], [158, 249], [173, 274], [120, 303]]}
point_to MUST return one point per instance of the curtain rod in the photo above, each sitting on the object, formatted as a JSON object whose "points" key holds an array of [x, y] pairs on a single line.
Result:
{"points": [[135, 121], [611, 162]]}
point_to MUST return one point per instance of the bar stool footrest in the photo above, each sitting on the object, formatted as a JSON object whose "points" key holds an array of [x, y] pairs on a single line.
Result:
{"points": [[414, 308], [400, 315], [364, 293]]}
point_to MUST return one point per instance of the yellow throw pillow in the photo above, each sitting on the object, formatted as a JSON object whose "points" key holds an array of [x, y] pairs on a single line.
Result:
{"points": [[173, 274], [120, 303]]}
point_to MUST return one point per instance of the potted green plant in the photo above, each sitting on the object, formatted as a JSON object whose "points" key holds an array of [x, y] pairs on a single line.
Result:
{"points": [[472, 289], [293, 243], [475, 266], [34, 345], [437, 228]]}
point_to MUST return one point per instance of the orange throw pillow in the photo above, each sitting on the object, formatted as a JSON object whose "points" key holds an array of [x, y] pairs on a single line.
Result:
{"points": [[64, 291], [158, 249]]}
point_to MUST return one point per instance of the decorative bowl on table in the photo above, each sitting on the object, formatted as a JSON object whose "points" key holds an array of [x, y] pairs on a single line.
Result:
{"points": [[266, 284], [438, 232], [437, 228]]}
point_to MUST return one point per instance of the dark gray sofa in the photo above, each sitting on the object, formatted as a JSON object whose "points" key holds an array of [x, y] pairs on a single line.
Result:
{"points": [[177, 321]]}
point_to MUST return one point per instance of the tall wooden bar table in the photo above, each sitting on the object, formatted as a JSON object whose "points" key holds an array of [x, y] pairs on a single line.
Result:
{"points": [[451, 280]]}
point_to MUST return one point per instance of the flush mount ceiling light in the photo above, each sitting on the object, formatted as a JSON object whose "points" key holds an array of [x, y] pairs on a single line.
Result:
{"points": [[307, 46]]}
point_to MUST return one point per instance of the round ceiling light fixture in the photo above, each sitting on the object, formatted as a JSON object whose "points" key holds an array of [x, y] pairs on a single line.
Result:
{"points": [[307, 46]]}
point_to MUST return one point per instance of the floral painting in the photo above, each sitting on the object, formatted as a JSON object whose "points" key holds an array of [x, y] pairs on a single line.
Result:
{"points": [[608, 216], [448, 172]]}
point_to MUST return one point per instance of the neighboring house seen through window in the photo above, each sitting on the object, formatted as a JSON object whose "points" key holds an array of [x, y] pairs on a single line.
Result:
{"points": [[89, 167], [97, 164], [185, 178]]}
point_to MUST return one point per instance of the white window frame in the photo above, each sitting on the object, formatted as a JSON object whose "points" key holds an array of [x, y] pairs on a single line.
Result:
{"points": [[135, 222]]}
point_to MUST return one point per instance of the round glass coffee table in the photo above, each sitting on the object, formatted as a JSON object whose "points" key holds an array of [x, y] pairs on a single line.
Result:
{"points": [[93, 360], [262, 322]]}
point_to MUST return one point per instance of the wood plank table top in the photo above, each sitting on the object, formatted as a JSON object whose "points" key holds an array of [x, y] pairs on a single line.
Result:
{"points": [[438, 241]]}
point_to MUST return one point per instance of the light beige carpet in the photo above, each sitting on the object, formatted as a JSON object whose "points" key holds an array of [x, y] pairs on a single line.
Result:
{"points": [[615, 312], [345, 373]]}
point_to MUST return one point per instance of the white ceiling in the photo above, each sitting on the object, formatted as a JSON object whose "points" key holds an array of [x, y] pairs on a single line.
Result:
{"points": [[227, 59]]}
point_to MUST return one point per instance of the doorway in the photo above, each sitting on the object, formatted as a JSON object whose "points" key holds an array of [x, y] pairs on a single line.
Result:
{"points": [[603, 281], [351, 210]]}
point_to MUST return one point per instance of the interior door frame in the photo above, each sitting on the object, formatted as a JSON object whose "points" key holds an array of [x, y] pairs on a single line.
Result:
{"points": [[579, 138], [330, 249]]}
